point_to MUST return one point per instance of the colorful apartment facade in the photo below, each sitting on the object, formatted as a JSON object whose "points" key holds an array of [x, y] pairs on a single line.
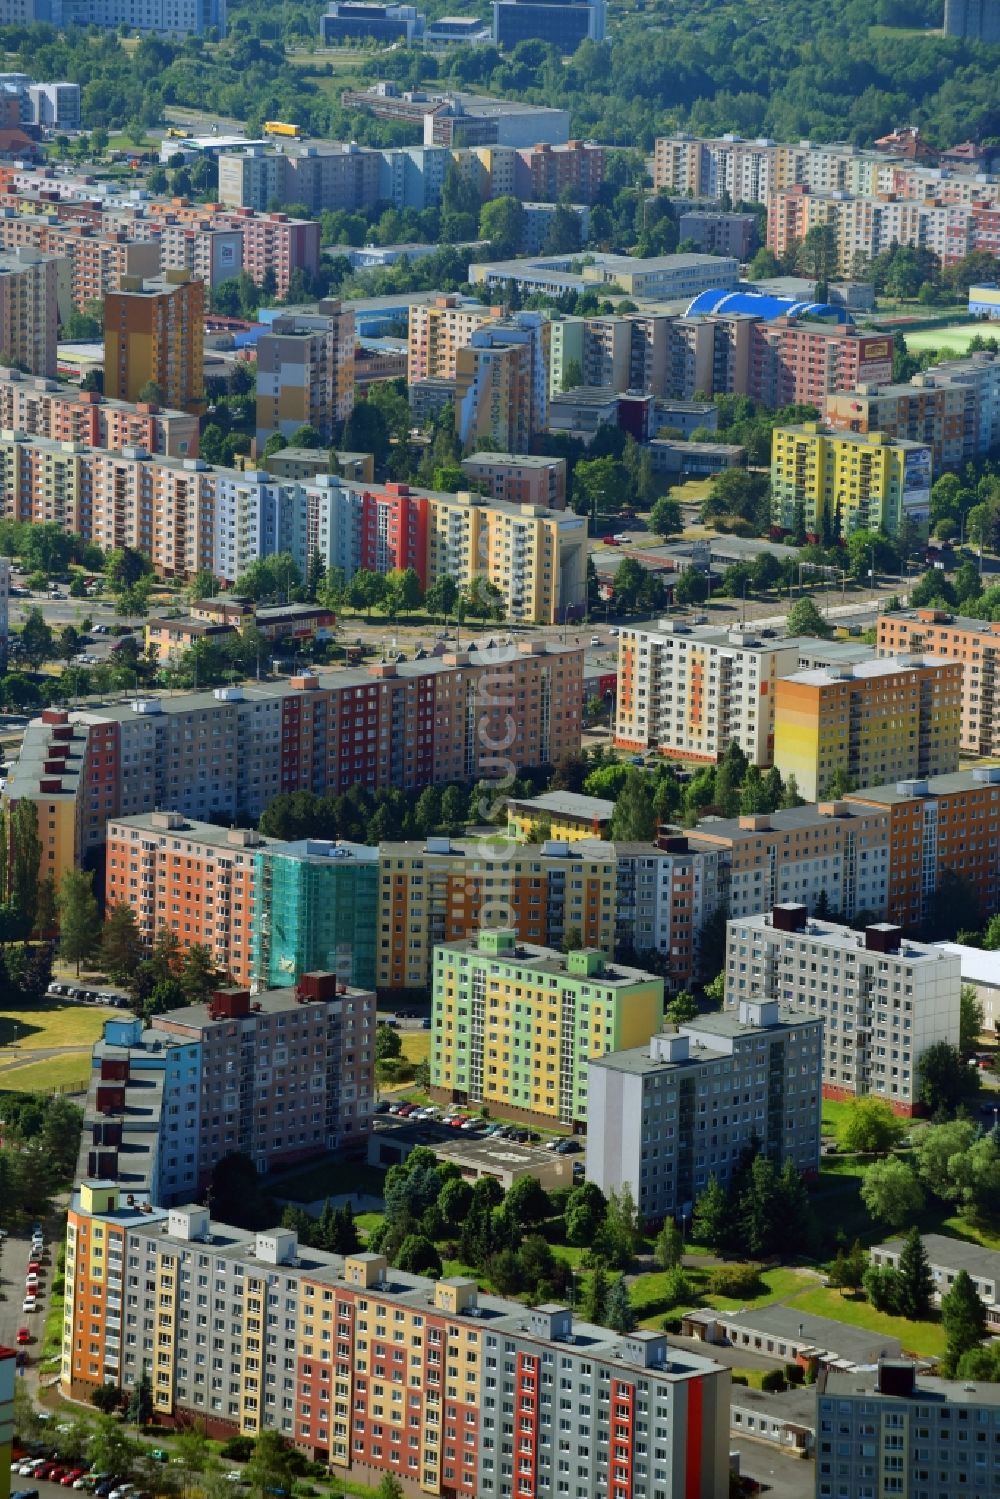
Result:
{"points": [[939, 824], [374, 1396], [565, 815], [492, 994], [883, 1000], [195, 880], [189, 517], [501, 383], [444, 890], [46, 408], [97, 262], [836, 482], [971, 642], [305, 373], [833, 854], [688, 691], [154, 333], [435, 333], [229, 752], [891, 718], [32, 293]]}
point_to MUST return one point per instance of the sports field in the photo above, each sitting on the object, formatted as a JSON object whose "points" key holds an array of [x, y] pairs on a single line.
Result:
{"points": [[954, 340]]}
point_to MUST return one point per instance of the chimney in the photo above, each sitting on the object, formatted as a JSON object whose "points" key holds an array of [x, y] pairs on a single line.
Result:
{"points": [[883, 937], [896, 1376], [789, 917]]}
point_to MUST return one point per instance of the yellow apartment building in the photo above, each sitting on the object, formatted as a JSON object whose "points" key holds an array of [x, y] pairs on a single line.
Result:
{"points": [[515, 1025], [839, 482], [889, 719]]}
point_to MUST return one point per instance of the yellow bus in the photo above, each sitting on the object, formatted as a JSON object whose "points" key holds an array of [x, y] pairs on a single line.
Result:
{"points": [[278, 127], [176, 133]]}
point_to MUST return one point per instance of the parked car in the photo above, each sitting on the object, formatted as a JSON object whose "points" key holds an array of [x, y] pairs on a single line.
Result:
{"points": [[29, 1304], [70, 1477], [23, 1335]]}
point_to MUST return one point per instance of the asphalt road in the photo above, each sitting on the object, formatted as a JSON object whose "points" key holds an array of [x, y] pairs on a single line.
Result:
{"points": [[782, 1477], [13, 1266]]}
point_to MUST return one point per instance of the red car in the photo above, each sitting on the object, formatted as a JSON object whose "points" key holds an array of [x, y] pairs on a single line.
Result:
{"points": [[70, 1476], [23, 1335], [33, 1267]]}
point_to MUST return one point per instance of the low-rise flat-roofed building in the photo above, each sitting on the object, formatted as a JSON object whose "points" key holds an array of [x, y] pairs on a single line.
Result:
{"points": [[982, 971], [883, 999], [566, 815], [645, 1127], [946, 1257], [520, 478]]}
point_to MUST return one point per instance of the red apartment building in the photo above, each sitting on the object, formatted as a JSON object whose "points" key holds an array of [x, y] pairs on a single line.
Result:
{"points": [[394, 529], [794, 362]]}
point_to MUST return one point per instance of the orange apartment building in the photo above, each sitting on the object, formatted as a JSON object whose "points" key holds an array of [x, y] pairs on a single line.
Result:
{"points": [[97, 261], [444, 890], [973, 642], [944, 415], [154, 333], [47, 408], [874, 721], [194, 879], [436, 333], [939, 823]]}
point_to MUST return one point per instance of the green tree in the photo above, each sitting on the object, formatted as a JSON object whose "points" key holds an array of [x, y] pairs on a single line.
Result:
{"points": [[891, 1192], [121, 942], [527, 1202], [620, 1312], [37, 643], [945, 1080], [634, 817], [442, 597], [970, 1021], [914, 1281], [669, 1245], [22, 872], [269, 1470], [586, 1208], [79, 921], [665, 517], [712, 1221], [418, 1256], [683, 1008], [110, 1449], [691, 587], [870, 1128], [501, 222], [389, 1487], [964, 1319], [805, 619], [387, 1042], [199, 977]]}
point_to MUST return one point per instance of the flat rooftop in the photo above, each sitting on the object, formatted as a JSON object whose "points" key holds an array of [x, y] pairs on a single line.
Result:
{"points": [[940, 617], [785, 820], [566, 804], [201, 832], [529, 955], [701, 1034], [954, 1254], [927, 1388], [952, 783], [844, 937], [863, 671], [520, 460], [823, 1333]]}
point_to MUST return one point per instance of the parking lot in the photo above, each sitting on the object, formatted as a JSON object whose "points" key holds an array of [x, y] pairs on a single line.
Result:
{"points": [[15, 1257], [79, 994]]}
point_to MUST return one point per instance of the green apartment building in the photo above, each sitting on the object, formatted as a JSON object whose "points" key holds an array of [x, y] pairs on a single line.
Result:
{"points": [[515, 1025], [315, 907]]}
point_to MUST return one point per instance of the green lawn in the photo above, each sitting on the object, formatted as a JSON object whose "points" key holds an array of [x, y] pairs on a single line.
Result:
{"points": [[925, 1338], [416, 1046], [71, 1073], [52, 1024], [649, 1292], [954, 340]]}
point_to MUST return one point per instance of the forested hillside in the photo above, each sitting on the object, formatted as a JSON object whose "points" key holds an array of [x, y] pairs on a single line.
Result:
{"points": [[806, 68]]}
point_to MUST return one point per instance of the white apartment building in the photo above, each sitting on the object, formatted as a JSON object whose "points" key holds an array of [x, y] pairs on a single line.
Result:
{"points": [[664, 894], [666, 1116], [883, 1000], [688, 690]]}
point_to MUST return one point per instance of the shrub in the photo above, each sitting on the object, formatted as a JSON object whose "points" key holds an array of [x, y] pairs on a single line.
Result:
{"points": [[773, 1382], [736, 1280], [795, 1374], [240, 1449], [740, 1379]]}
